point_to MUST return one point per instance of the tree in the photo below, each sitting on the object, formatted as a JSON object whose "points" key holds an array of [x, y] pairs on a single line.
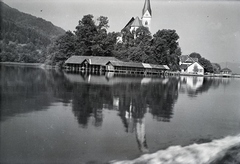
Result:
{"points": [[135, 45], [127, 39], [195, 55], [166, 48], [85, 33], [61, 49], [216, 68], [142, 36], [136, 54], [92, 37], [206, 64]]}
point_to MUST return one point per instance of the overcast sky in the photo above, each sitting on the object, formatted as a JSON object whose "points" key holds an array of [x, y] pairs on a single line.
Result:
{"points": [[211, 28]]}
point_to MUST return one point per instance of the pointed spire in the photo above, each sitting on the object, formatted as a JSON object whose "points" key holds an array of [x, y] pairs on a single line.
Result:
{"points": [[147, 7]]}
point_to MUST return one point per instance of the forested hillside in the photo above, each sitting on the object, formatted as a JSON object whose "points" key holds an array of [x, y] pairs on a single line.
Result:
{"points": [[24, 38]]}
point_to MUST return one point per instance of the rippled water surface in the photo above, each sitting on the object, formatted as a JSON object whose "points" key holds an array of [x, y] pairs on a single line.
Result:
{"points": [[51, 116]]}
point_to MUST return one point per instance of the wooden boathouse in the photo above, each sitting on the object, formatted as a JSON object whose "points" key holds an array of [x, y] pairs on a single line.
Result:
{"points": [[125, 67], [87, 63], [135, 68], [111, 64]]}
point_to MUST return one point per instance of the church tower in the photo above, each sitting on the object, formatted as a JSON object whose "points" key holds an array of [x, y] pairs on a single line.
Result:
{"points": [[147, 15]]}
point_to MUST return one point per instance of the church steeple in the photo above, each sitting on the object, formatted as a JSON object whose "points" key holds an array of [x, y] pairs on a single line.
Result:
{"points": [[147, 14], [147, 7]]}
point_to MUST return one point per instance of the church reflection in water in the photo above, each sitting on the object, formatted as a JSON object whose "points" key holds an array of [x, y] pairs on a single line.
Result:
{"points": [[132, 97]]}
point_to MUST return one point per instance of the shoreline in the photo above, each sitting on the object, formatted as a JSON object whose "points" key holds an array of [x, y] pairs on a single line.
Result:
{"points": [[212, 75], [23, 64], [44, 66], [33, 65]]}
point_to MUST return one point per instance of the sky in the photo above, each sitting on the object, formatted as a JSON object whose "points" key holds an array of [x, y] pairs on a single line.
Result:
{"points": [[210, 28]]}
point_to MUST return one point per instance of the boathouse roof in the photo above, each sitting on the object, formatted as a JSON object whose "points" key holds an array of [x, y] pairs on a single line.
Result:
{"points": [[165, 67], [100, 60], [126, 64], [75, 60], [146, 65], [138, 65], [93, 60]]}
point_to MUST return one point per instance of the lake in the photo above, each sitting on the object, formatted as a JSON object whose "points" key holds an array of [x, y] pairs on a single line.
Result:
{"points": [[50, 116]]}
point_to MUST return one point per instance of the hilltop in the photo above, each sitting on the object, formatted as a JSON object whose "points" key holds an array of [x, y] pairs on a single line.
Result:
{"points": [[25, 37]]}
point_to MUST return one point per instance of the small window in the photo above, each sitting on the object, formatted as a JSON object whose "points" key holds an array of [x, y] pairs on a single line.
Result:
{"points": [[146, 23]]}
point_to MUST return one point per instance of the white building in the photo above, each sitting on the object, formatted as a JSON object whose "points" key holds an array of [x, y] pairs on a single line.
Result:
{"points": [[194, 68], [190, 65]]}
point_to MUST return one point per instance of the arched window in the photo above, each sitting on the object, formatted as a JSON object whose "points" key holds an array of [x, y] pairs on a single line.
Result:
{"points": [[146, 23]]}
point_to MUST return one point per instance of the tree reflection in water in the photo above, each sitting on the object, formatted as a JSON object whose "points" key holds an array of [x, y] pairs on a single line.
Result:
{"points": [[130, 96]]}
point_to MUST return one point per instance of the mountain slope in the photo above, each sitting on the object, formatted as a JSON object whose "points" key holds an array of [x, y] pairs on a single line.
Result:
{"points": [[25, 37]]}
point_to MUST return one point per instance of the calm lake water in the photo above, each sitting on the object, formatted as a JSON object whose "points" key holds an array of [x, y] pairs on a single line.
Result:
{"points": [[51, 116]]}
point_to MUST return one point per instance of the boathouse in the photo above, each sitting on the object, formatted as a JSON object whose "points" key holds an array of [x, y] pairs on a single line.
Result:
{"points": [[135, 68], [125, 67], [158, 68], [111, 64], [88, 63]]}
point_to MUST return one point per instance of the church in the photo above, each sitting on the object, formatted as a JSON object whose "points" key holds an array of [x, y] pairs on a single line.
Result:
{"points": [[145, 20]]}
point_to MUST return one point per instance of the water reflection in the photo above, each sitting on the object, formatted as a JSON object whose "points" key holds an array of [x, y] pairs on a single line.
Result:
{"points": [[25, 90], [18, 92], [193, 85], [30, 89], [89, 101]]}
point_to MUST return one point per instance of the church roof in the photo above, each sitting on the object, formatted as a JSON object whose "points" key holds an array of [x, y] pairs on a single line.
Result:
{"points": [[136, 23], [147, 7], [129, 23]]}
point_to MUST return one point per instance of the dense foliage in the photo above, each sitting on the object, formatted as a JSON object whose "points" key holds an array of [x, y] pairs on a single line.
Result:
{"points": [[92, 39], [216, 67], [24, 37]]}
